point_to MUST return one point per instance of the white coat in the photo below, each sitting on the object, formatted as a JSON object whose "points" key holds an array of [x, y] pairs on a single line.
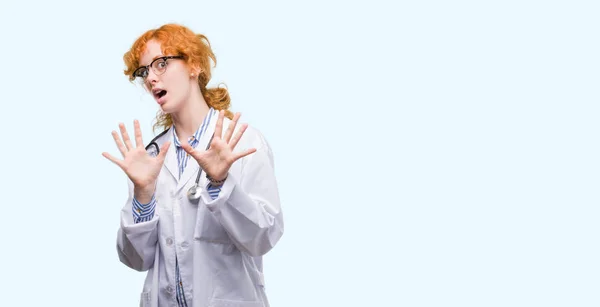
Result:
{"points": [[219, 243]]}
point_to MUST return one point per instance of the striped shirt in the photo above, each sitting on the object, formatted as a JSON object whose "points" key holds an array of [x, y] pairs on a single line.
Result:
{"points": [[145, 212]]}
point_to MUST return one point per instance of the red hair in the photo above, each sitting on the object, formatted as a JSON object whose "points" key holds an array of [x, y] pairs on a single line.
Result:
{"points": [[179, 40]]}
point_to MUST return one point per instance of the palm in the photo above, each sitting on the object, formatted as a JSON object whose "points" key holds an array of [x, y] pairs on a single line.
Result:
{"points": [[141, 168], [217, 160]]}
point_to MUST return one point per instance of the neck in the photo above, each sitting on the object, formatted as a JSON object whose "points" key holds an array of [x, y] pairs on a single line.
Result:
{"points": [[190, 116]]}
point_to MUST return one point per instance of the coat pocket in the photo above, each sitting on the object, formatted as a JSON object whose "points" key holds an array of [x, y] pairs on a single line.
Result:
{"points": [[209, 229]]}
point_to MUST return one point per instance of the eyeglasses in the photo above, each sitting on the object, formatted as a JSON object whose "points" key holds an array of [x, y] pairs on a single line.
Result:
{"points": [[159, 66]]}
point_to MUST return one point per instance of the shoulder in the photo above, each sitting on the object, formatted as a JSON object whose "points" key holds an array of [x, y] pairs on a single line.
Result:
{"points": [[255, 137], [252, 137]]}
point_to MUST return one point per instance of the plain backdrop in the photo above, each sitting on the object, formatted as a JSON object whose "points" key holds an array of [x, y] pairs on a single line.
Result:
{"points": [[428, 153]]}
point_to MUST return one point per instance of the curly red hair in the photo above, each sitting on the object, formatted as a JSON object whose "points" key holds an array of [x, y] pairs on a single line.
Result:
{"points": [[179, 40]]}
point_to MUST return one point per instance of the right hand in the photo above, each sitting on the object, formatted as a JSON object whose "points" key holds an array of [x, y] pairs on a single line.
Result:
{"points": [[140, 167]]}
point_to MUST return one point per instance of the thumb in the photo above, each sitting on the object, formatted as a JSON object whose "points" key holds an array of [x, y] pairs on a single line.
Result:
{"points": [[163, 150], [187, 148]]}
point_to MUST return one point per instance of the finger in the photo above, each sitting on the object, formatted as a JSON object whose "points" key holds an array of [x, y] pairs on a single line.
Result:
{"points": [[138, 134], [187, 148], [231, 127], [112, 159], [238, 136], [120, 145], [219, 126], [244, 153], [125, 137], [163, 151]]}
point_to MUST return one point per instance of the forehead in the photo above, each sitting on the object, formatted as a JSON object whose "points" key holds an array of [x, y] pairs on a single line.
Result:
{"points": [[151, 52]]}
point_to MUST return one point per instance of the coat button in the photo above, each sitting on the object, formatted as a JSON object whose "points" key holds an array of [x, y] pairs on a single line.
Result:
{"points": [[184, 245], [169, 241]]}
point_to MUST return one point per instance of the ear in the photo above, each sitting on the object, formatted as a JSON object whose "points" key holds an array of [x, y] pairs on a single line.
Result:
{"points": [[195, 73]]}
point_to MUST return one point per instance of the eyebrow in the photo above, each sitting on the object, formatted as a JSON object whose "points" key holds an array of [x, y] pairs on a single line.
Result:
{"points": [[154, 58]]}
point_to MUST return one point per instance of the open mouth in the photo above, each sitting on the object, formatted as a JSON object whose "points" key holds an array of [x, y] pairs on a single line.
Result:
{"points": [[160, 94]]}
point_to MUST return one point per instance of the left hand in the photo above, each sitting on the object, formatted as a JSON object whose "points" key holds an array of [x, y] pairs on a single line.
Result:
{"points": [[217, 160]]}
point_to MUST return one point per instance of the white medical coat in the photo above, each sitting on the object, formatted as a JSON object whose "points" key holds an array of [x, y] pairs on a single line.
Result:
{"points": [[219, 243]]}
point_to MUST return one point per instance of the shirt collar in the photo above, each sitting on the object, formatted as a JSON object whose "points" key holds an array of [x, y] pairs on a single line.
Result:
{"points": [[193, 140]]}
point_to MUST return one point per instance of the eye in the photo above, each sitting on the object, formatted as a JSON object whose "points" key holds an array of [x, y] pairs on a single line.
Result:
{"points": [[141, 72], [161, 64]]}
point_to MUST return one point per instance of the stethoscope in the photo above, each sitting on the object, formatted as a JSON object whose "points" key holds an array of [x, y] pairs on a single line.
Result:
{"points": [[193, 192]]}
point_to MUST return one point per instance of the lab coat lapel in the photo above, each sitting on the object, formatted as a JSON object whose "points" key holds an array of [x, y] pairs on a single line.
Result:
{"points": [[191, 170], [171, 158]]}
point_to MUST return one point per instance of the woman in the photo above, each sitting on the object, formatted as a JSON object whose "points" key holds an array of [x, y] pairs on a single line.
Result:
{"points": [[205, 250]]}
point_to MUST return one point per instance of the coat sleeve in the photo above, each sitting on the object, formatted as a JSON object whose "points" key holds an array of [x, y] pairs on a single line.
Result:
{"points": [[248, 206], [136, 242]]}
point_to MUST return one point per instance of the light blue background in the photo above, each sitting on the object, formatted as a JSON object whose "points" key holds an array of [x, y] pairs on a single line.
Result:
{"points": [[429, 153]]}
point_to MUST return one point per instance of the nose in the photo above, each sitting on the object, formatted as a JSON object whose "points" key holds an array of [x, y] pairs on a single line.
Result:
{"points": [[152, 77]]}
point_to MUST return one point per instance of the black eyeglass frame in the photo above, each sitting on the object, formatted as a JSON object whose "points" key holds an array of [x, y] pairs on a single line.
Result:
{"points": [[138, 73]]}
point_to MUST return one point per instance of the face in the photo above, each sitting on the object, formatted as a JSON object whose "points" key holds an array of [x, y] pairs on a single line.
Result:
{"points": [[168, 79]]}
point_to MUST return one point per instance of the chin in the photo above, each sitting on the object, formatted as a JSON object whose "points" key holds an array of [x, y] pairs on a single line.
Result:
{"points": [[168, 107], [165, 109]]}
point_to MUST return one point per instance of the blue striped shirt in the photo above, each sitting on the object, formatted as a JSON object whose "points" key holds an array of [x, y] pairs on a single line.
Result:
{"points": [[145, 212]]}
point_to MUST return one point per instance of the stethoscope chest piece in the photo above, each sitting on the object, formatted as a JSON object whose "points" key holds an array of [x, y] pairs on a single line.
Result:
{"points": [[193, 193]]}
